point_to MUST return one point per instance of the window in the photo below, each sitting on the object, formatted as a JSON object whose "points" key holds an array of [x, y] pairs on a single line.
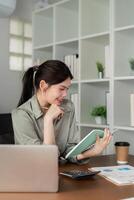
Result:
{"points": [[20, 45]]}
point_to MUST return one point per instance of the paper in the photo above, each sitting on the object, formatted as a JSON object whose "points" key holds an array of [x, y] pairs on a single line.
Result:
{"points": [[120, 175]]}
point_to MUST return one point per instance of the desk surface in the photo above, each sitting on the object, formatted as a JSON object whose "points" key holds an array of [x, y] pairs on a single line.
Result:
{"points": [[94, 188]]}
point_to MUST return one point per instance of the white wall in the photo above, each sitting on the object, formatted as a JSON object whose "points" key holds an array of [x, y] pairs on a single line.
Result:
{"points": [[10, 81]]}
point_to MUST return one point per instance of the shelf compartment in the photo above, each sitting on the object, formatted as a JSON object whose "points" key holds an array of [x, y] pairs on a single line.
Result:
{"points": [[124, 50], [92, 94], [43, 54], [43, 27], [66, 49], [124, 19], [69, 50], [92, 50], [123, 89], [66, 22], [94, 16]]}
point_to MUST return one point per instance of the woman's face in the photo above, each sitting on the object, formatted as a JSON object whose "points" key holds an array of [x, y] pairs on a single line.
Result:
{"points": [[55, 94]]}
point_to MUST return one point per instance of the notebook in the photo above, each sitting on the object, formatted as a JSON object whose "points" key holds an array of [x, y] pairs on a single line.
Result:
{"points": [[85, 143], [25, 168]]}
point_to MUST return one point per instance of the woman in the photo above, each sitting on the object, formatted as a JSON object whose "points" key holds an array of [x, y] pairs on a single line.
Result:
{"points": [[44, 116]]}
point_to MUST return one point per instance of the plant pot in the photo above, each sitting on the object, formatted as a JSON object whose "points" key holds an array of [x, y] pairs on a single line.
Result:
{"points": [[100, 75], [99, 120]]}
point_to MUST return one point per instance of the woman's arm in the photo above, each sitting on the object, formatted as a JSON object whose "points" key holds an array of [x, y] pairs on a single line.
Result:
{"points": [[52, 113], [24, 128]]}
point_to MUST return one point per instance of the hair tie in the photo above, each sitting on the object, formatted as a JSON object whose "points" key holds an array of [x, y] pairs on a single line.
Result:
{"points": [[35, 68]]}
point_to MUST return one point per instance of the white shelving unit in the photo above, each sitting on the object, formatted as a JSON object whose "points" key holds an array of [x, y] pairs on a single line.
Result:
{"points": [[85, 27]]}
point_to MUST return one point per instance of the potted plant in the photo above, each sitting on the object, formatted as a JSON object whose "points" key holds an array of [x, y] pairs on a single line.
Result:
{"points": [[100, 69], [131, 62], [99, 113]]}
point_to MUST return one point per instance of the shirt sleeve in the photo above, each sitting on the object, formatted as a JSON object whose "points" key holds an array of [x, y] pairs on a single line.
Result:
{"points": [[24, 130], [73, 139]]}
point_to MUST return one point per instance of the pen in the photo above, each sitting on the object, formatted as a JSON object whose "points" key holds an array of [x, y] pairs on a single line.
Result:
{"points": [[115, 130]]}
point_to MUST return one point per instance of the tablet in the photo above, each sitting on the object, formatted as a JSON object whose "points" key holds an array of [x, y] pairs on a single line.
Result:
{"points": [[85, 143]]}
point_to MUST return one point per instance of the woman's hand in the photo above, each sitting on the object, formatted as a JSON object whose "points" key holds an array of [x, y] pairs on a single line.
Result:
{"points": [[54, 112], [99, 146]]}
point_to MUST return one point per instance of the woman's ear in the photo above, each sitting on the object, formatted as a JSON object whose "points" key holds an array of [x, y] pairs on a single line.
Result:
{"points": [[43, 85]]}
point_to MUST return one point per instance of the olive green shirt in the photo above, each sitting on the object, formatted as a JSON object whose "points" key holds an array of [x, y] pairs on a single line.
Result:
{"points": [[28, 126]]}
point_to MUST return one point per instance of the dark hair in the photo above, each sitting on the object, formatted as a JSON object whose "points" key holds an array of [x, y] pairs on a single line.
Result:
{"points": [[51, 71]]}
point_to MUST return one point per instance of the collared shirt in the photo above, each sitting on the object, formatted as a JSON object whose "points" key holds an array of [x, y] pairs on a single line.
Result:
{"points": [[28, 124]]}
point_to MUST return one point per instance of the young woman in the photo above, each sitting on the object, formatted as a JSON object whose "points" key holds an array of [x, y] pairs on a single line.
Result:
{"points": [[44, 116]]}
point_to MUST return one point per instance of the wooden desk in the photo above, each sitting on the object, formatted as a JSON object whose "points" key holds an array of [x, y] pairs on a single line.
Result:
{"points": [[96, 188]]}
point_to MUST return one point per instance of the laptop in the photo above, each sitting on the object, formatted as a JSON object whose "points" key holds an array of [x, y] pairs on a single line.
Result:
{"points": [[29, 168]]}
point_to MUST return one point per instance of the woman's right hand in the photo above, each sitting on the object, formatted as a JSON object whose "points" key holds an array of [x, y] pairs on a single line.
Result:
{"points": [[53, 112]]}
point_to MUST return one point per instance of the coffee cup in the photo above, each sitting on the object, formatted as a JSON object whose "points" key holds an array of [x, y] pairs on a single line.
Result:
{"points": [[122, 149]]}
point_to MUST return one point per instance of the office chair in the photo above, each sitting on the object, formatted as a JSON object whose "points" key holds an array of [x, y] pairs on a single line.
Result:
{"points": [[6, 129]]}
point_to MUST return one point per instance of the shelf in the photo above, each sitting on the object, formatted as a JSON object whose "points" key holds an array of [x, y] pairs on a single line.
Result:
{"points": [[124, 28], [125, 128], [124, 15], [94, 16], [121, 78], [65, 13], [67, 41], [42, 10], [41, 20], [84, 28], [94, 125], [95, 35], [95, 80], [92, 50], [43, 47]]}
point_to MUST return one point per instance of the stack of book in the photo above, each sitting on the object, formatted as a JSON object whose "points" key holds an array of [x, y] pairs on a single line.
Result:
{"points": [[72, 61]]}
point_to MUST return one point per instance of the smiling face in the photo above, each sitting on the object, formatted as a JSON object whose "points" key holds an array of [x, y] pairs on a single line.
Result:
{"points": [[54, 94]]}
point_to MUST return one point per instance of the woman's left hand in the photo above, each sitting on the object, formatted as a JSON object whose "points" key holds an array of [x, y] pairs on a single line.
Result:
{"points": [[99, 146], [101, 143]]}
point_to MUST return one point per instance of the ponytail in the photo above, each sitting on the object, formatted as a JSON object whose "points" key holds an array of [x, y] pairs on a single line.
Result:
{"points": [[28, 86]]}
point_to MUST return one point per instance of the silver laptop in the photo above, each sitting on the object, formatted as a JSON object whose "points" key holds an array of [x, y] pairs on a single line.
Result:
{"points": [[25, 168]]}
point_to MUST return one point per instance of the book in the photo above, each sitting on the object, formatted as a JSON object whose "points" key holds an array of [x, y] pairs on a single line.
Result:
{"points": [[108, 106], [86, 142], [119, 175]]}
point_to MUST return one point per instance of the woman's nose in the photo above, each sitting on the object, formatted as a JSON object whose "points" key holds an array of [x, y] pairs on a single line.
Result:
{"points": [[65, 93]]}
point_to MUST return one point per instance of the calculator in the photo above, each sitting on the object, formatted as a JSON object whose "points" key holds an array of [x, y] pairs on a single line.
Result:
{"points": [[79, 174]]}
